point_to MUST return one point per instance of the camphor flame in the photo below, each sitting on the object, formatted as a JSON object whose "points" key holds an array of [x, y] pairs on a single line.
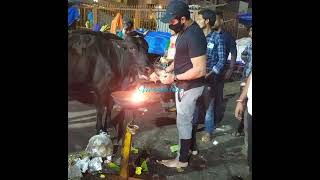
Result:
{"points": [[137, 96]]}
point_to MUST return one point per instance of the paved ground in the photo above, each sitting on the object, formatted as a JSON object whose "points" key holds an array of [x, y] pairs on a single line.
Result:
{"points": [[158, 132]]}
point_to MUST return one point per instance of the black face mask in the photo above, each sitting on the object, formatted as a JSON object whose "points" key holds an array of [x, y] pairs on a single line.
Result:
{"points": [[177, 27]]}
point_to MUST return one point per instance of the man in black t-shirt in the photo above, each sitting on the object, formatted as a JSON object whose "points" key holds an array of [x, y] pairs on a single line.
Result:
{"points": [[189, 70]]}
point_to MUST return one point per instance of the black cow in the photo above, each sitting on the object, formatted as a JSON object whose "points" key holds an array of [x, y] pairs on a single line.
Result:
{"points": [[101, 63]]}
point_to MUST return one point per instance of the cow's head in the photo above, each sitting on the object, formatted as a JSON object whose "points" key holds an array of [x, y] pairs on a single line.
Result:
{"points": [[137, 49]]}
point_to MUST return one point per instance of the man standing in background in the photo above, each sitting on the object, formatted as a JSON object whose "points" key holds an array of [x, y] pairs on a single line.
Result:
{"points": [[230, 47]]}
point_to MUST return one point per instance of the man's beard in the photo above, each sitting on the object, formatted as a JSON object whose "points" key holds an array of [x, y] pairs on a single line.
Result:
{"points": [[177, 27]]}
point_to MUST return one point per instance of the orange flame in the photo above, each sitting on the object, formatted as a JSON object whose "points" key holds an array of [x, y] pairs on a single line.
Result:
{"points": [[137, 97]]}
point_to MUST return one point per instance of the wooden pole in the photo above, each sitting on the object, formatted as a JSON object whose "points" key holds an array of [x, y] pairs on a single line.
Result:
{"points": [[95, 14]]}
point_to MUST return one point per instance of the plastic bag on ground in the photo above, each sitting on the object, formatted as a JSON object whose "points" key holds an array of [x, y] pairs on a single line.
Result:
{"points": [[100, 146], [74, 172], [95, 164], [83, 164]]}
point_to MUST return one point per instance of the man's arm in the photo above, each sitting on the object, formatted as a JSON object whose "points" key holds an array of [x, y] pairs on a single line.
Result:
{"points": [[221, 56], [233, 51], [243, 95], [198, 70], [170, 68], [240, 106]]}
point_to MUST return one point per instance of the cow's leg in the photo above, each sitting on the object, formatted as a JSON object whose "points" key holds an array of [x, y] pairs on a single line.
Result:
{"points": [[100, 111], [108, 123], [120, 125]]}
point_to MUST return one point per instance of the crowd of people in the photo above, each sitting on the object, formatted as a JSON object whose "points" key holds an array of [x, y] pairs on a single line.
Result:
{"points": [[199, 71]]}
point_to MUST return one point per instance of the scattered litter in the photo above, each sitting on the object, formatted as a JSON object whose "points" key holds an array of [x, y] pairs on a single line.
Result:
{"points": [[74, 172], [144, 166], [224, 128], [109, 158], [95, 164], [179, 169], [100, 145], [102, 176], [117, 160], [138, 170], [134, 150], [83, 164], [215, 142], [174, 148], [74, 157], [113, 166]]}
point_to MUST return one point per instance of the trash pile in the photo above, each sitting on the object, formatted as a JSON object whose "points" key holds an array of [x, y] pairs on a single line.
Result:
{"points": [[140, 165], [98, 151], [97, 160]]}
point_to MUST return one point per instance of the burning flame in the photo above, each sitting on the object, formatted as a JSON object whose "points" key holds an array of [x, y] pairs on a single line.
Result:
{"points": [[137, 96]]}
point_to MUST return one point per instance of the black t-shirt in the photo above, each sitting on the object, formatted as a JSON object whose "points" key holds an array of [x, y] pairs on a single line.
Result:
{"points": [[189, 44]]}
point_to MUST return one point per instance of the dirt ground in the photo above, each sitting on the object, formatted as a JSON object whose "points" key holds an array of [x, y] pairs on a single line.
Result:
{"points": [[158, 132]]}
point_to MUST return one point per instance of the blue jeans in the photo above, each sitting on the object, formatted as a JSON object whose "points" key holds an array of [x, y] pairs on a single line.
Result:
{"points": [[205, 106]]}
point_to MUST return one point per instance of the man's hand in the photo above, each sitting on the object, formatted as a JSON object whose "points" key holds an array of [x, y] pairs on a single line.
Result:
{"points": [[228, 74], [167, 78], [239, 110], [154, 77], [208, 74]]}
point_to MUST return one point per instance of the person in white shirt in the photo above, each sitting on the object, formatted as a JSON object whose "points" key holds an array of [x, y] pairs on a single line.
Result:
{"points": [[246, 94]]}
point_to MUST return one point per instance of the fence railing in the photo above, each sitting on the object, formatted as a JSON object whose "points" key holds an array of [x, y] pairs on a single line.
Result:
{"points": [[147, 16]]}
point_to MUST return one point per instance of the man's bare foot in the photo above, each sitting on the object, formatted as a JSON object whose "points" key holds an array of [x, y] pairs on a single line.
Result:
{"points": [[174, 163]]}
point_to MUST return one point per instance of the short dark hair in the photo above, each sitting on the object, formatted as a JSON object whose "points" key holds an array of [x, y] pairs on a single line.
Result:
{"points": [[208, 14]]}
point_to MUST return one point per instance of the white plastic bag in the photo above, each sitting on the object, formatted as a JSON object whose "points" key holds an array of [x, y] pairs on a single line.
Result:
{"points": [[95, 164], [83, 164], [100, 146], [74, 172]]}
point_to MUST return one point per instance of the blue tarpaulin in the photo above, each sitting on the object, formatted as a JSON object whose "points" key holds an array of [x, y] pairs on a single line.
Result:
{"points": [[157, 41], [73, 15], [245, 19]]}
